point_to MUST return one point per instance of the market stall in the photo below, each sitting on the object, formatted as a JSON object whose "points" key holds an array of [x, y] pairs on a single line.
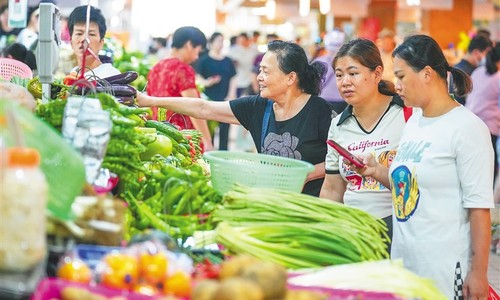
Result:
{"points": [[153, 221], [119, 206]]}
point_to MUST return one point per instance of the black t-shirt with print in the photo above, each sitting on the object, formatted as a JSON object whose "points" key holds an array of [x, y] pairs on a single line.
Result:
{"points": [[301, 137]]}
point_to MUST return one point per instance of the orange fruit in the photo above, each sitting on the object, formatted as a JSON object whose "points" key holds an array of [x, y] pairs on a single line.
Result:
{"points": [[74, 270], [153, 267], [179, 284], [121, 271]]}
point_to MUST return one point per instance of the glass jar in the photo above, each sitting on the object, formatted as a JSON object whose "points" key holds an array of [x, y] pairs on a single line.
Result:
{"points": [[23, 200]]}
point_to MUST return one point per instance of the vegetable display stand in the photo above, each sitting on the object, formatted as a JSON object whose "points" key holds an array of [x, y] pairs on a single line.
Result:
{"points": [[256, 170]]}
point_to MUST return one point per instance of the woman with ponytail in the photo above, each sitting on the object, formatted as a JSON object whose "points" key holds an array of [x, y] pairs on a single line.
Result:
{"points": [[441, 177], [372, 123], [298, 119]]}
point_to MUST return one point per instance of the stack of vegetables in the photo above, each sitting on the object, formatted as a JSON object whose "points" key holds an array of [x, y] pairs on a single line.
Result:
{"points": [[375, 276], [157, 165], [295, 230]]}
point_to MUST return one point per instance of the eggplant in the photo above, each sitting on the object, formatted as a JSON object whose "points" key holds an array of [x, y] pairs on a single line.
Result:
{"points": [[123, 78], [117, 90], [128, 101]]}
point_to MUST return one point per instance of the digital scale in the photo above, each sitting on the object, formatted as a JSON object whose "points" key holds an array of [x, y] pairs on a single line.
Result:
{"points": [[47, 51]]}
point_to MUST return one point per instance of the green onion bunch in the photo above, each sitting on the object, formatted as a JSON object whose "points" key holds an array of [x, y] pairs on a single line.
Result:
{"points": [[295, 230]]}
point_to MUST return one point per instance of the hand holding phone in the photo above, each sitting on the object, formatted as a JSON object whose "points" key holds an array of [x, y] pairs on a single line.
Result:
{"points": [[346, 154]]}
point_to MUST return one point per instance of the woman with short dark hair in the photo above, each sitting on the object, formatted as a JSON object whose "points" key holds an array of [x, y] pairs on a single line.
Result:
{"points": [[298, 119]]}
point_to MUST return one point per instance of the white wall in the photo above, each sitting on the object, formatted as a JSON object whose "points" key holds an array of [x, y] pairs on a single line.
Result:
{"points": [[152, 18]]}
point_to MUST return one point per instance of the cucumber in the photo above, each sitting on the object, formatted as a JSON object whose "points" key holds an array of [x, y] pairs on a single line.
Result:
{"points": [[166, 129]]}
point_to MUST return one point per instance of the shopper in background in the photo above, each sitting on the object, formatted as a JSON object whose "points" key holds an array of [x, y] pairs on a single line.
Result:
{"points": [[94, 67], [372, 123], [387, 43], [29, 34], [441, 177], [218, 74], [484, 100], [19, 52], [243, 56], [329, 91], [7, 34], [476, 52], [287, 118], [175, 77]]}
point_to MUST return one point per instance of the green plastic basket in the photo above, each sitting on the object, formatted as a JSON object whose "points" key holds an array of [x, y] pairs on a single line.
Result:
{"points": [[256, 170]]}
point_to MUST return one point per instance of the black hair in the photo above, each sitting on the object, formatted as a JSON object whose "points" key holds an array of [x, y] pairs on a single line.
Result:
{"points": [[30, 12], [19, 52], [419, 51], [292, 58], [484, 32], [492, 59], [233, 39], [479, 42], [188, 34], [161, 40], [79, 16], [214, 36], [367, 54], [3, 8]]}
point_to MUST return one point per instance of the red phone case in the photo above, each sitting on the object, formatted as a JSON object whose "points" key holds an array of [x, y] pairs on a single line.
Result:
{"points": [[346, 154]]}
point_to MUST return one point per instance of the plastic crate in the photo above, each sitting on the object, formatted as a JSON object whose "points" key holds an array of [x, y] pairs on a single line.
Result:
{"points": [[256, 170], [11, 67]]}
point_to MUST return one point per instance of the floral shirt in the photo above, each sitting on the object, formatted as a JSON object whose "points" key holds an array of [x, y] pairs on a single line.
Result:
{"points": [[168, 78]]}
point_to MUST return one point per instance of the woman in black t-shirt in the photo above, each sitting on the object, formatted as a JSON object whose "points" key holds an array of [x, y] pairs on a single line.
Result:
{"points": [[298, 119]]}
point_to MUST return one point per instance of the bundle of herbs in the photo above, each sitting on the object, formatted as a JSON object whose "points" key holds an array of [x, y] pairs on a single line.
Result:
{"points": [[295, 230]]}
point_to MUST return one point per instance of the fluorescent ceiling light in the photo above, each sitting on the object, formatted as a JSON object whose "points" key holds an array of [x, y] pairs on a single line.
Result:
{"points": [[304, 7], [324, 6], [271, 9]]}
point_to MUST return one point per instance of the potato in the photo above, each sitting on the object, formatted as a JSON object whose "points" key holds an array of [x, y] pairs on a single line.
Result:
{"points": [[269, 276], [304, 295], [235, 265], [205, 290], [237, 288], [76, 293]]}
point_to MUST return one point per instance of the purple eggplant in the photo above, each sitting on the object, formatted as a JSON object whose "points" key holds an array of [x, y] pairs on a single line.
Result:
{"points": [[128, 101], [118, 90], [123, 78]]}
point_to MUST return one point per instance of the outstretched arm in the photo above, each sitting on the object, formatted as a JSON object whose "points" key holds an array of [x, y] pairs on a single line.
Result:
{"points": [[194, 107], [200, 124]]}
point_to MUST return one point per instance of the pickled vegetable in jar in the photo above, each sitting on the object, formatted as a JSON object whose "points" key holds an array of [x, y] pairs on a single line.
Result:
{"points": [[23, 200]]}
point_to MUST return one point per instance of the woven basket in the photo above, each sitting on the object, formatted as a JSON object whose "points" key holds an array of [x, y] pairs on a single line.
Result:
{"points": [[256, 170], [10, 67]]}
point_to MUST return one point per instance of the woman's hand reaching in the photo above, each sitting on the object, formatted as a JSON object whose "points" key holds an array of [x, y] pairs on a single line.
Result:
{"points": [[142, 99]]}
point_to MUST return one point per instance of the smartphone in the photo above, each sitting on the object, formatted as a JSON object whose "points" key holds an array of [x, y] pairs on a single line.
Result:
{"points": [[346, 154]]}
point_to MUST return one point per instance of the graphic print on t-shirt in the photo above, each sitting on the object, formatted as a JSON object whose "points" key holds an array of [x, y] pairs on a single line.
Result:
{"points": [[405, 193], [358, 182], [284, 145]]}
